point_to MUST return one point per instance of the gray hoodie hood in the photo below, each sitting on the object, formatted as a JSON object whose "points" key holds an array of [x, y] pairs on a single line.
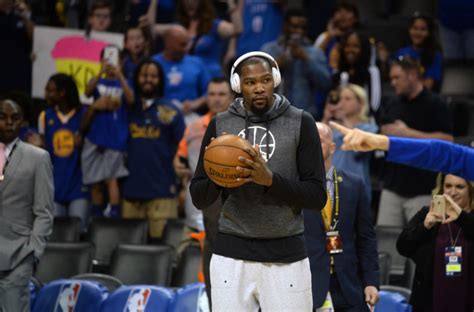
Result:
{"points": [[280, 105]]}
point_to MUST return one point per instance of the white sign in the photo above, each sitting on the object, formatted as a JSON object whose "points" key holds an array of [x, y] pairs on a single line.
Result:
{"points": [[68, 51]]}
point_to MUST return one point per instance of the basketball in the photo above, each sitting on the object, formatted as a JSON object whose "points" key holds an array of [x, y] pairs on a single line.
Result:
{"points": [[222, 157]]}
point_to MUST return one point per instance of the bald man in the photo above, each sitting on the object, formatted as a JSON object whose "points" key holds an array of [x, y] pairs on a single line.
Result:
{"points": [[186, 77], [340, 236]]}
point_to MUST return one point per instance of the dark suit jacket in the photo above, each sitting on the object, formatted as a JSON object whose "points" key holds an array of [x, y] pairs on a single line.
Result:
{"points": [[357, 267], [418, 243], [26, 205]]}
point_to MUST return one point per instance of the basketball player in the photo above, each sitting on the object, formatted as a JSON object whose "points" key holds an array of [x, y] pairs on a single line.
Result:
{"points": [[259, 259]]}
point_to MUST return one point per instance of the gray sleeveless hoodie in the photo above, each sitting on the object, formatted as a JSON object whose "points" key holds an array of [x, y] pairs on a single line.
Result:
{"points": [[250, 210]]}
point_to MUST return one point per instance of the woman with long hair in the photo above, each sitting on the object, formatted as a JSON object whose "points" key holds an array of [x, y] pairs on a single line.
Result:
{"points": [[441, 245], [425, 48], [351, 110], [357, 66]]}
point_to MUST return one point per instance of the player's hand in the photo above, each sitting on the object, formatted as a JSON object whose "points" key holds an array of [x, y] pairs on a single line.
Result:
{"points": [[257, 171]]}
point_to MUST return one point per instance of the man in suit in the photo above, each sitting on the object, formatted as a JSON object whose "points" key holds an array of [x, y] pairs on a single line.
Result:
{"points": [[341, 240], [26, 205]]}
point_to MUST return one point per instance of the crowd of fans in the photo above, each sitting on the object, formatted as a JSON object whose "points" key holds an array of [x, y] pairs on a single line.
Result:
{"points": [[120, 155]]}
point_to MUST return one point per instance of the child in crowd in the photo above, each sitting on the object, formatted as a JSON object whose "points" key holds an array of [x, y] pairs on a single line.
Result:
{"points": [[137, 47], [105, 127], [58, 126]]}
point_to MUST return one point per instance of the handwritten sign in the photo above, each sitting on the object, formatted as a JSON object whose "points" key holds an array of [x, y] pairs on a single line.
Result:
{"points": [[68, 51]]}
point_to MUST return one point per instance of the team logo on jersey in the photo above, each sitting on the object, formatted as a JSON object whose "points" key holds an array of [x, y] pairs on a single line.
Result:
{"points": [[67, 297], [166, 114], [174, 76], [137, 300], [258, 135], [63, 143], [50, 122]]}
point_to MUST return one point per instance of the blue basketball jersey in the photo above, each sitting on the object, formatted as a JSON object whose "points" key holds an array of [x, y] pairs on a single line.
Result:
{"points": [[109, 129], [262, 23], [154, 137], [65, 156]]}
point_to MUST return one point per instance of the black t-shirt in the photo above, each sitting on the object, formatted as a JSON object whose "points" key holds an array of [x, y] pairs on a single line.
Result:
{"points": [[427, 112]]}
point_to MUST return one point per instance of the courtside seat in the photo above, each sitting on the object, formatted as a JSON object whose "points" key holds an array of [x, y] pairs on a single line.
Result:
{"points": [[64, 260], [70, 295], [143, 264], [143, 298], [190, 298]]}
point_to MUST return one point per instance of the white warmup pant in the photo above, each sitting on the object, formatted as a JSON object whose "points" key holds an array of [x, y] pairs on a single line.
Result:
{"points": [[238, 285]]}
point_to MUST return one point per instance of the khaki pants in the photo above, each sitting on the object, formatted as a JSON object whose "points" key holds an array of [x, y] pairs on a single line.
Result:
{"points": [[157, 211]]}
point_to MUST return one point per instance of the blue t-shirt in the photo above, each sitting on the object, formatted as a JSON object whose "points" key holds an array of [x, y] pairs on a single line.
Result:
{"points": [[208, 48], [154, 137], [262, 23], [109, 129], [434, 71], [65, 156], [186, 79]]}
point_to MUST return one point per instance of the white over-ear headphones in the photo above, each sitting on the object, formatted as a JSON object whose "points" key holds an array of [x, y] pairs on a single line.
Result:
{"points": [[235, 78]]}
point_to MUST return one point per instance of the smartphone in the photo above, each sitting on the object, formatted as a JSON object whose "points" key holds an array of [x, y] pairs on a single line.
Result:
{"points": [[111, 55], [439, 203], [333, 98]]}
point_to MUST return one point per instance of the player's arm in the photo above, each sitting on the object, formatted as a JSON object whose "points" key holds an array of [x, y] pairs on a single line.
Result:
{"points": [[203, 191]]}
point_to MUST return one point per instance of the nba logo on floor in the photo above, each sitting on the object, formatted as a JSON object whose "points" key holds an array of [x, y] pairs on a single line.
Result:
{"points": [[67, 297], [137, 300]]}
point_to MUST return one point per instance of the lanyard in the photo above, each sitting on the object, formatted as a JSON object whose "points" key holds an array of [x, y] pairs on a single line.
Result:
{"points": [[453, 243], [335, 218]]}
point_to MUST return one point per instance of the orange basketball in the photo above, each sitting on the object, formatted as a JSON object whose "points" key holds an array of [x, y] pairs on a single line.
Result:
{"points": [[222, 157]]}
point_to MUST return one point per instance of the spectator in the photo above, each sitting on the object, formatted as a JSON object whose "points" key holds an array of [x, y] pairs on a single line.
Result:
{"points": [[457, 28], [207, 32], [26, 220], [351, 111], [105, 126], [303, 66], [219, 97], [344, 20], [426, 49], [156, 127], [16, 33], [137, 48], [58, 126], [345, 222], [442, 249], [261, 23], [418, 113], [357, 63], [186, 77], [100, 16]]}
